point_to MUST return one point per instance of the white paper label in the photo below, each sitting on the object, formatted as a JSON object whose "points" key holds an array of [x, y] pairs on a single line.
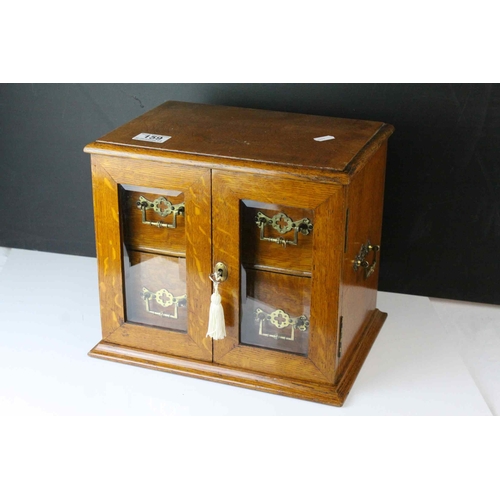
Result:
{"points": [[324, 138], [152, 137]]}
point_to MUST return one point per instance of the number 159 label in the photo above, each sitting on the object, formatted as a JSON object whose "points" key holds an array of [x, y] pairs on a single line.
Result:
{"points": [[152, 137]]}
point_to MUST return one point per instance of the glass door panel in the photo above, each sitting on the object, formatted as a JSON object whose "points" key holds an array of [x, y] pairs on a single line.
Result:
{"points": [[155, 290], [280, 239], [276, 254], [154, 257], [275, 320]]}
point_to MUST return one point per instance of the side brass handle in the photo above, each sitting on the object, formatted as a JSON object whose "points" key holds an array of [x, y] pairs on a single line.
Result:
{"points": [[283, 224], [162, 207], [165, 299], [360, 259], [280, 319]]}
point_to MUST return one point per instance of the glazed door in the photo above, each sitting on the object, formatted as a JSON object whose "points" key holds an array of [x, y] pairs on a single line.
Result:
{"points": [[281, 240], [154, 248]]}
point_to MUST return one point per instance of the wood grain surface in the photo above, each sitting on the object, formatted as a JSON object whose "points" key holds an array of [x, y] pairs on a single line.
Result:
{"points": [[108, 247], [359, 294], [249, 134]]}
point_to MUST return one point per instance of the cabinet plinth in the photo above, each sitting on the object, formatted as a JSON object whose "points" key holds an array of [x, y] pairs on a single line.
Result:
{"points": [[290, 204]]}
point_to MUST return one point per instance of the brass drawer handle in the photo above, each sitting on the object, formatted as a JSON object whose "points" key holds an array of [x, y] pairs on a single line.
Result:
{"points": [[162, 207], [280, 319], [165, 299], [360, 259], [283, 224]]}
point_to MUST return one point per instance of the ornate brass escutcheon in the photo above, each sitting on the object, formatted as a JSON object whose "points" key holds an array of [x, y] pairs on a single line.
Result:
{"points": [[165, 299], [360, 259], [283, 224], [220, 273], [162, 207], [280, 319]]}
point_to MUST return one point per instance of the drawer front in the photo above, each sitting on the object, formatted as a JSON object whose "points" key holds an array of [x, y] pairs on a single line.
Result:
{"points": [[155, 287], [154, 220], [275, 311], [276, 237]]}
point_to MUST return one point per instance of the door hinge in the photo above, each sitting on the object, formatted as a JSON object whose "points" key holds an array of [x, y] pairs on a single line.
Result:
{"points": [[346, 230], [340, 335]]}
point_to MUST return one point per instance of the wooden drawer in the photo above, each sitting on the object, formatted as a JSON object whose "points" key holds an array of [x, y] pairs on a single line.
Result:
{"points": [[262, 323], [147, 217], [291, 250], [155, 290]]}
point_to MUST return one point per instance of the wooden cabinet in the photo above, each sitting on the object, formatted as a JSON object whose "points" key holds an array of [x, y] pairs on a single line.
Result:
{"points": [[290, 204]]}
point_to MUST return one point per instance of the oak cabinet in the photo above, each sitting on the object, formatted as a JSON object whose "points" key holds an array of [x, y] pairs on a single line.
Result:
{"points": [[286, 208]]}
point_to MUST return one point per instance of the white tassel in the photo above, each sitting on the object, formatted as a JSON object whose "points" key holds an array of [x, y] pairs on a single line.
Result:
{"points": [[216, 325]]}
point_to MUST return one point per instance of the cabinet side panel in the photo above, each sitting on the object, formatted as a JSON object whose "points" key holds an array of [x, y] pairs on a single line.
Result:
{"points": [[359, 293]]}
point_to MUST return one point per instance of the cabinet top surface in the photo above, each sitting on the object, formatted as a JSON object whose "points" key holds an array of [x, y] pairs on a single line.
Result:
{"points": [[248, 134]]}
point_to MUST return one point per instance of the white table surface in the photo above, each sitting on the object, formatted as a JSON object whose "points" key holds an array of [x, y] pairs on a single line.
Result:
{"points": [[49, 320]]}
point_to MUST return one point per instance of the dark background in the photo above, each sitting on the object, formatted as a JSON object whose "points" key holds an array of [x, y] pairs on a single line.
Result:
{"points": [[441, 229]]}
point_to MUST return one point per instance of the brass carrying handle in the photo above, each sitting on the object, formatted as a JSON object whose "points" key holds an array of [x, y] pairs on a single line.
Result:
{"points": [[360, 259], [162, 207], [280, 319], [283, 224], [165, 299]]}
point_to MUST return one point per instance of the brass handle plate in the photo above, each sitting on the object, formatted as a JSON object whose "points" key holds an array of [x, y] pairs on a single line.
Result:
{"points": [[283, 224], [163, 208], [165, 299], [280, 319], [360, 259]]}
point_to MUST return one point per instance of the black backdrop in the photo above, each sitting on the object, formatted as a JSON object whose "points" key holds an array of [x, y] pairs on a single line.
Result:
{"points": [[441, 229]]}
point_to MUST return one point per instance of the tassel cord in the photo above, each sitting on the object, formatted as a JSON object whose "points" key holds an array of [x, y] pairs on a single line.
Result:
{"points": [[216, 323]]}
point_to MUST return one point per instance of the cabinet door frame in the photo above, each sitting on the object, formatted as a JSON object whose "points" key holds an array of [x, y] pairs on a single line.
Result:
{"points": [[327, 200], [108, 173]]}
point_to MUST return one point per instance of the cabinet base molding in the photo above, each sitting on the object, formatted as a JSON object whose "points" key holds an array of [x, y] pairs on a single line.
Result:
{"points": [[334, 394]]}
